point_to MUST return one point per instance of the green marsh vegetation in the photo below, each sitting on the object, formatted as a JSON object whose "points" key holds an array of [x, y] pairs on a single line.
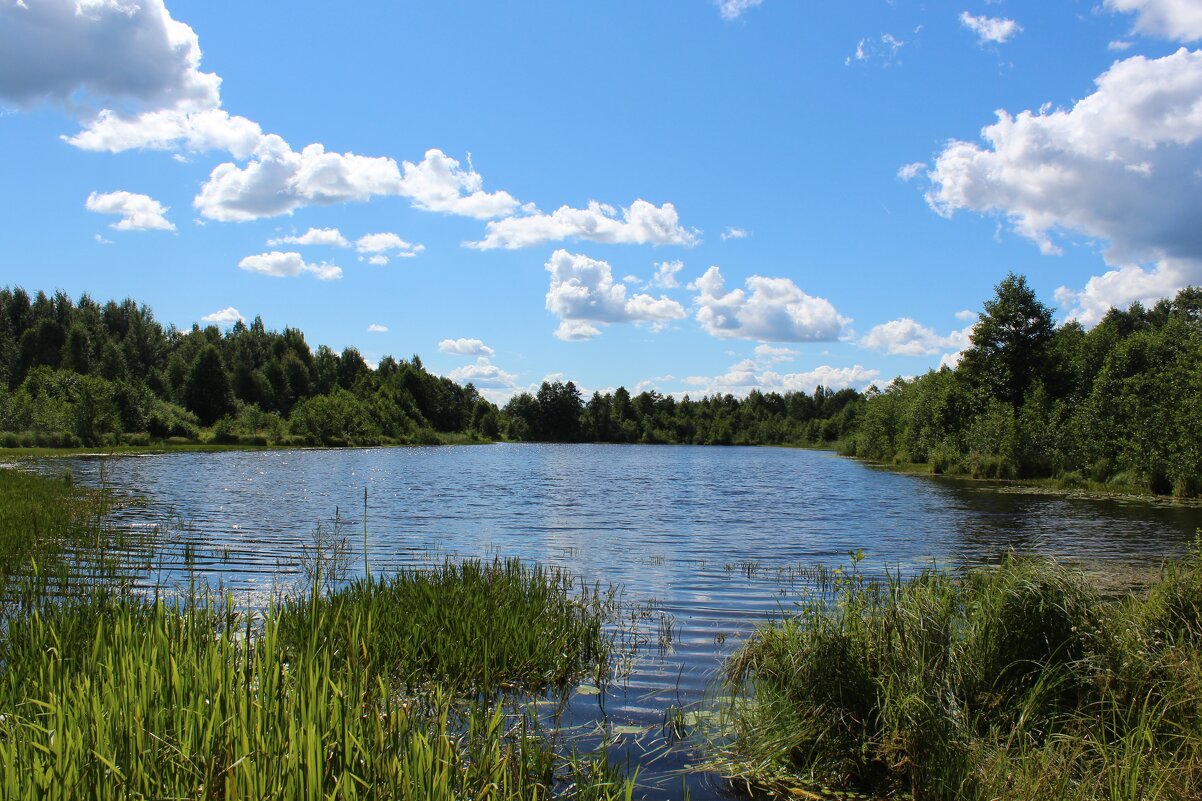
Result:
{"points": [[421, 685], [1017, 681]]}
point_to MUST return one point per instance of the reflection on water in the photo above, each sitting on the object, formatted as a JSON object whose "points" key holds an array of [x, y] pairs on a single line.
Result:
{"points": [[707, 533]]}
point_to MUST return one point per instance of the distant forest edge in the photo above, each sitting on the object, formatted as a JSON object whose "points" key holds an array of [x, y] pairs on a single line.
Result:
{"points": [[1120, 404]]}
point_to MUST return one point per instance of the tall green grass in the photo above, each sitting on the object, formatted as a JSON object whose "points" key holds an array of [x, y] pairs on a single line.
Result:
{"points": [[473, 627], [1018, 681], [118, 697], [416, 686]]}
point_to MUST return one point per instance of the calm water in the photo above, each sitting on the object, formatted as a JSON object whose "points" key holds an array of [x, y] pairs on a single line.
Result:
{"points": [[700, 536]]}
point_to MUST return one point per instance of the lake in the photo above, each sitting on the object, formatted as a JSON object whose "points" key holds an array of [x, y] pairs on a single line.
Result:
{"points": [[703, 539]]}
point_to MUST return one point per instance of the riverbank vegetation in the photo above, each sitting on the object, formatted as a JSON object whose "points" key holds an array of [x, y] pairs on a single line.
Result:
{"points": [[1116, 407], [418, 686], [1120, 404], [1015, 682]]}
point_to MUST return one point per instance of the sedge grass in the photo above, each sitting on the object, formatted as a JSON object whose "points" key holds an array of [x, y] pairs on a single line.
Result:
{"points": [[474, 627], [409, 687], [1011, 682]]}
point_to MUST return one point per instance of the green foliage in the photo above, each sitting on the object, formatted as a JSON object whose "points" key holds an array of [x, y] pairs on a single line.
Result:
{"points": [[473, 627], [1121, 403], [1007, 682]]}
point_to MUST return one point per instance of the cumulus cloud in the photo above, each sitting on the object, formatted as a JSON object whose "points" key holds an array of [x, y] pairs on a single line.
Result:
{"points": [[1123, 286], [665, 274], [331, 237], [227, 316], [128, 70], [79, 51], [576, 331], [995, 30], [377, 260], [734, 233], [279, 180], [282, 265], [387, 243], [1123, 165], [733, 9], [169, 129], [492, 382], [642, 223], [771, 309], [583, 291], [771, 354], [376, 328], [905, 337], [438, 183], [748, 374], [138, 212], [909, 172], [1179, 20], [466, 347]]}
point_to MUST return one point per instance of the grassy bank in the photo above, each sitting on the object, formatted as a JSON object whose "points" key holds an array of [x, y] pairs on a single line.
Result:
{"points": [[416, 686], [1015, 682]]}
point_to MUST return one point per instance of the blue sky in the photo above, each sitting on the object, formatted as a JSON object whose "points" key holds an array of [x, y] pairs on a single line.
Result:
{"points": [[688, 196]]}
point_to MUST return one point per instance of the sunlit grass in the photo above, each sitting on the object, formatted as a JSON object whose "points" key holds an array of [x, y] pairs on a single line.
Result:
{"points": [[1012, 682]]}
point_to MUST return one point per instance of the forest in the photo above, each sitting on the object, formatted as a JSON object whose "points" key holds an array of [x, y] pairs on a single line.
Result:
{"points": [[1118, 404]]}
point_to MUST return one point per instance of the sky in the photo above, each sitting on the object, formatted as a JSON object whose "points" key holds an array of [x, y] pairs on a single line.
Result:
{"points": [[688, 196]]}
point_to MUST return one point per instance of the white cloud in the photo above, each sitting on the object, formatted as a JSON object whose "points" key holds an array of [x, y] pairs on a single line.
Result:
{"points": [[128, 70], [665, 274], [437, 183], [78, 52], [1119, 45], [169, 129], [1179, 20], [909, 172], [642, 223], [996, 30], [1123, 165], [904, 337], [774, 310], [884, 48], [100, 240], [331, 237], [733, 9], [279, 180], [966, 315], [138, 212], [747, 375], [376, 328], [576, 331], [386, 242], [466, 347], [492, 382], [377, 260], [1121, 287], [583, 291], [734, 233], [771, 354], [227, 316], [280, 265]]}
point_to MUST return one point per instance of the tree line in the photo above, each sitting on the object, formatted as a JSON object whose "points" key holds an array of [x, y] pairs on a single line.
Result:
{"points": [[1120, 403], [87, 373]]}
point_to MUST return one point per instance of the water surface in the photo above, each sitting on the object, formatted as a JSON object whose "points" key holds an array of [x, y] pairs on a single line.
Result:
{"points": [[704, 538]]}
